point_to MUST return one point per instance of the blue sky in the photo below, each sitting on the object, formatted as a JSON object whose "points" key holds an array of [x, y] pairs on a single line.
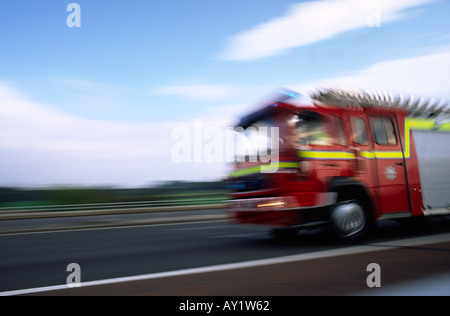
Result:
{"points": [[96, 105]]}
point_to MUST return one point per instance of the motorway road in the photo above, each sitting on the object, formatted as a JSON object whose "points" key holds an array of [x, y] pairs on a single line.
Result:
{"points": [[405, 252]]}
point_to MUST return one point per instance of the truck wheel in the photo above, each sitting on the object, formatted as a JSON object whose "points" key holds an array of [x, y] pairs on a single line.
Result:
{"points": [[348, 220]]}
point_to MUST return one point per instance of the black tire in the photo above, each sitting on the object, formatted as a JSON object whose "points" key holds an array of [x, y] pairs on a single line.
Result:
{"points": [[349, 220]]}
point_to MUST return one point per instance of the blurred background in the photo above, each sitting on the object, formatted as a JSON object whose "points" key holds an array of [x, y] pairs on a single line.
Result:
{"points": [[158, 195], [97, 104], [94, 96]]}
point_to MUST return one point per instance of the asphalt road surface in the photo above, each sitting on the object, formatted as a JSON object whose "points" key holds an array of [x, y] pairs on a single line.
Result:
{"points": [[220, 258]]}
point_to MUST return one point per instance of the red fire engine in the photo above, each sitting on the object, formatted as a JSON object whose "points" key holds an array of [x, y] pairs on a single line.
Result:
{"points": [[347, 159]]}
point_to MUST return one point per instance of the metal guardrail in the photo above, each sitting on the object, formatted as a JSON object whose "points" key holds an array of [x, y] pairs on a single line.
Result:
{"points": [[93, 206], [73, 210]]}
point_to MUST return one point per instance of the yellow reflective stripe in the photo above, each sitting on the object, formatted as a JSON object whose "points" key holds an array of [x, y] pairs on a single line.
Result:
{"points": [[326, 154], [347, 155], [269, 167], [407, 144], [245, 171], [409, 123], [427, 125], [422, 124], [289, 164], [367, 154], [273, 166], [381, 154], [388, 154], [445, 127]]}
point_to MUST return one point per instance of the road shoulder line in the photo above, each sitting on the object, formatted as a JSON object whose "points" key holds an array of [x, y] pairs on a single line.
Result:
{"points": [[249, 264]]}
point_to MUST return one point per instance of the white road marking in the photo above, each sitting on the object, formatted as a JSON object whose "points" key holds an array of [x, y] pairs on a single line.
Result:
{"points": [[249, 264]]}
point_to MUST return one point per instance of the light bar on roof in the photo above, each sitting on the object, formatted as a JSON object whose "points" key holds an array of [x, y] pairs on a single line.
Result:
{"points": [[416, 107]]}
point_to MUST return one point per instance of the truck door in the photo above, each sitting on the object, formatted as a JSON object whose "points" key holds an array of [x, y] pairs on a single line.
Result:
{"points": [[390, 164]]}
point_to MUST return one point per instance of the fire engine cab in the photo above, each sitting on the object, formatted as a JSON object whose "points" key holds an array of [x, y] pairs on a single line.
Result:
{"points": [[346, 159]]}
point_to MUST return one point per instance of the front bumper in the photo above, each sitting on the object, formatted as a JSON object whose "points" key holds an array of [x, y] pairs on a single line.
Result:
{"points": [[277, 212]]}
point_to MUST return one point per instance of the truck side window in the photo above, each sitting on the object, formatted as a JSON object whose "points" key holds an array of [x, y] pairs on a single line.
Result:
{"points": [[340, 137], [359, 131], [384, 131]]}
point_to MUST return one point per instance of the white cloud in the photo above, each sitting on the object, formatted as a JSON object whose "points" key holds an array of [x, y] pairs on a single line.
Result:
{"points": [[310, 22], [42, 146], [230, 100], [90, 97], [199, 92], [427, 76]]}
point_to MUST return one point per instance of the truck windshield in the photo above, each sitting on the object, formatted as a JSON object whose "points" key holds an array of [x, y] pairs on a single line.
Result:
{"points": [[312, 128], [287, 132]]}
